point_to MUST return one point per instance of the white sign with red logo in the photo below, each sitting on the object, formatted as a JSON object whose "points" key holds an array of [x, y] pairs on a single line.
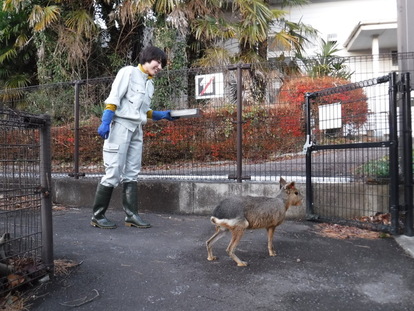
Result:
{"points": [[209, 86]]}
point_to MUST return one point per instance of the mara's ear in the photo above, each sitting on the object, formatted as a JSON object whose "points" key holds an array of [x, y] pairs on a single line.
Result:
{"points": [[290, 185], [282, 182]]}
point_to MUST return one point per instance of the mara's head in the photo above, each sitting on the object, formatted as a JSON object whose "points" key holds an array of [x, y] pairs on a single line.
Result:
{"points": [[293, 195]]}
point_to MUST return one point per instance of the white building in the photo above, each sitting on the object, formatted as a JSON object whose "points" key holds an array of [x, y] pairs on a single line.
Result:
{"points": [[360, 27]]}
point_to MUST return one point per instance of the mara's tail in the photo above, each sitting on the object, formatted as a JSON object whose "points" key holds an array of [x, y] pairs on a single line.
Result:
{"points": [[229, 223], [214, 220]]}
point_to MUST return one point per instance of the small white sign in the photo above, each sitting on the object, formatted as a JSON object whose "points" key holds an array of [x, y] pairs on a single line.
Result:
{"points": [[330, 116], [209, 86]]}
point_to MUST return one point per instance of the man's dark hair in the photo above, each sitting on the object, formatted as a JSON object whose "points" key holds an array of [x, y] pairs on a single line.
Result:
{"points": [[151, 53]]}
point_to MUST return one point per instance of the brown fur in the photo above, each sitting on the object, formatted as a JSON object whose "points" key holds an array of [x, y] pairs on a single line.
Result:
{"points": [[236, 214]]}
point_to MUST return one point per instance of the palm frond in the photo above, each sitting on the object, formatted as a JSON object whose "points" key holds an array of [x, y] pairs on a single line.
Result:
{"points": [[292, 36], [210, 28], [214, 57], [17, 81], [278, 13], [13, 5], [196, 8], [82, 23], [21, 40], [255, 11], [251, 57], [166, 6], [131, 10], [178, 20], [41, 17], [250, 34], [8, 54]]}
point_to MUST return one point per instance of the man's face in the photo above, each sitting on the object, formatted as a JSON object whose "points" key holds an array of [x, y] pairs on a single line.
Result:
{"points": [[153, 67]]}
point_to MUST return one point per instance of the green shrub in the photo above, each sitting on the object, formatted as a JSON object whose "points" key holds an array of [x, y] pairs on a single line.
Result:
{"points": [[375, 169]]}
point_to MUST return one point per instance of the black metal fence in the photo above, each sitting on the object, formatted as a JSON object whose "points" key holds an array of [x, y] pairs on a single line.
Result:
{"points": [[251, 128], [363, 161], [26, 241]]}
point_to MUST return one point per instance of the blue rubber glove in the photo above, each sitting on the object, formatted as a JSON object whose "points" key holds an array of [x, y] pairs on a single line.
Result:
{"points": [[103, 129], [158, 115]]}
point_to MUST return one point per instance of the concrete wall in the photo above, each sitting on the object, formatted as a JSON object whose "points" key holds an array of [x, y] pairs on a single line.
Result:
{"points": [[157, 196], [350, 201], [200, 198]]}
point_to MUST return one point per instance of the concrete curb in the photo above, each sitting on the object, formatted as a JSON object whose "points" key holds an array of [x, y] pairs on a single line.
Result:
{"points": [[160, 196], [407, 243]]}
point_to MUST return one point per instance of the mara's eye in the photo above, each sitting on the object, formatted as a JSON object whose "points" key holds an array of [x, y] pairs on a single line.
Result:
{"points": [[297, 192]]}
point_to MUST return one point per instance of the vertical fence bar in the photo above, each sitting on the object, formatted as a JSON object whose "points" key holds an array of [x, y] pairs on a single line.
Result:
{"points": [[407, 155], [76, 132], [308, 150], [239, 171], [239, 135], [46, 199], [393, 149]]}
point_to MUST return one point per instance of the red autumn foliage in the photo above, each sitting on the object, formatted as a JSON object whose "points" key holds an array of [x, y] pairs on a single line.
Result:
{"points": [[209, 138], [213, 137], [354, 106], [268, 130]]}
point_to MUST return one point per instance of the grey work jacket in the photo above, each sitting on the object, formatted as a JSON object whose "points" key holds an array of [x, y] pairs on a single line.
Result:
{"points": [[131, 92]]}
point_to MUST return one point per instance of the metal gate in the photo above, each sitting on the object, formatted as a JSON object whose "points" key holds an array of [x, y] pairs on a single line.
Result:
{"points": [[26, 241], [359, 154]]}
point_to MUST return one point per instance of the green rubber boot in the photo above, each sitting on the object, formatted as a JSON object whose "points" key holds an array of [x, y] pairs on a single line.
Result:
{"points": [[130, 205], [102, 198]]}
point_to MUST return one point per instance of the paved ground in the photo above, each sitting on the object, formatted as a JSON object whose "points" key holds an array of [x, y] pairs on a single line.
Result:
{"points": [[165, 268]]}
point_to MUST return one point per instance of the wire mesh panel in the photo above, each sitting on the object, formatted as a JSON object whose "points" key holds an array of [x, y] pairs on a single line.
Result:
{"points": [[352, 141], [351, 184], [244, 129], [21, 190], [271, 122]]}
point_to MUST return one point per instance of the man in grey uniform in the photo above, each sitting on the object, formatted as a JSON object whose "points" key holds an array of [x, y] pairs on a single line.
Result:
{"points": [[127, 109]]}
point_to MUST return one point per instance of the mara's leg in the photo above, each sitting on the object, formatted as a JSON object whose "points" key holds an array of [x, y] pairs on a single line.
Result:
{"points": [[236, 235], [216, 236], [270, 233]]}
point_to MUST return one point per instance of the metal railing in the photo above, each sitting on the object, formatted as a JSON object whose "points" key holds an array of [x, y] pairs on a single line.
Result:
{"points": [[242, 134]]}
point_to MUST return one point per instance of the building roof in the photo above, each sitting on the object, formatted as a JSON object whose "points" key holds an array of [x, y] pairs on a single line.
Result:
{"points": [[361, 36]]}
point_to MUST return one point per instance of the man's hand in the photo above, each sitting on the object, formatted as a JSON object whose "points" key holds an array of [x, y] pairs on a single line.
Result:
{"points": [[103, 129], [158, 115]]}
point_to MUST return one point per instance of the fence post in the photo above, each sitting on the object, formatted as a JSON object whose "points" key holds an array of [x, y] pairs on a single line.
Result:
{"points": [[239, 140], [393, 160], [407, 154], [308, 149], [76, 173], [46, 190], [239, 124]]}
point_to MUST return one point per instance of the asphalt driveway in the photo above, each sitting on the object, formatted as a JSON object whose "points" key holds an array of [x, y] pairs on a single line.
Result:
{"points": [[166, 268]]}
